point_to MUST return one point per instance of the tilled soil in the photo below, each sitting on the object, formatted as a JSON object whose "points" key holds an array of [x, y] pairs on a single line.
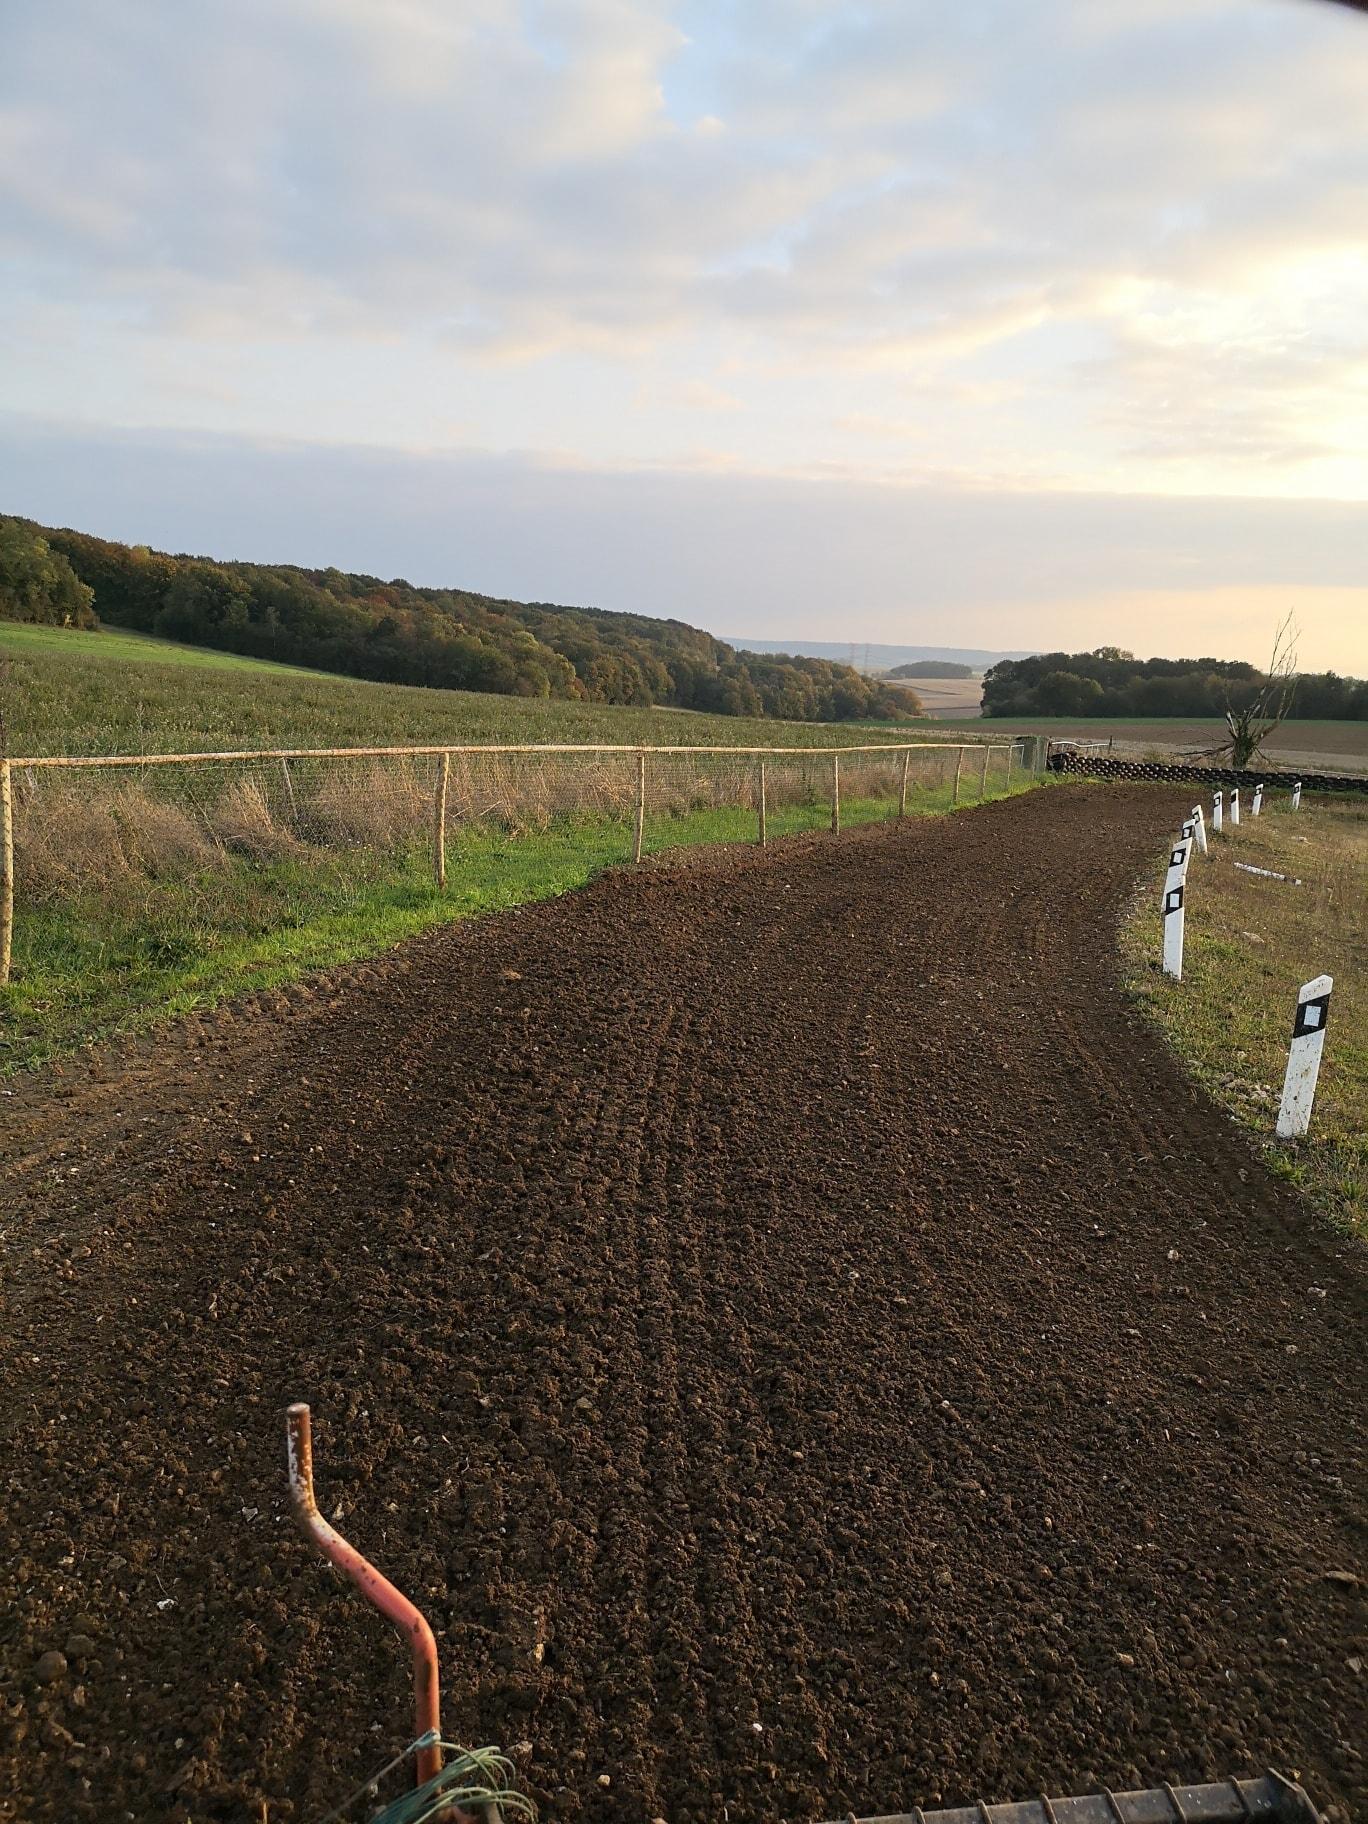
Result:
{"points": [[803, 1344]]}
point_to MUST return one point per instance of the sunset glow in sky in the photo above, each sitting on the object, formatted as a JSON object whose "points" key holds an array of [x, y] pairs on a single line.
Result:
{"points": [[1000, 325]]}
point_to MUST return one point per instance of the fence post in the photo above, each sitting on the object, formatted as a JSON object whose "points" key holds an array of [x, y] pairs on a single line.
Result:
{"points": [[640, 806], [289, 793], [6, 870], [959, 768], [836, 794], [902, 793], [439, 820], [762, 803], [1011, 751], [983, 776]]}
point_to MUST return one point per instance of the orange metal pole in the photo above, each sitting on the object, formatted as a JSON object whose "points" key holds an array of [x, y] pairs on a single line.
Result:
{"points": [[376, 1589]]}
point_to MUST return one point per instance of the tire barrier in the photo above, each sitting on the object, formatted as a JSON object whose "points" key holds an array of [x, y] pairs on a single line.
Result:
{"points": [[1095, 766]]}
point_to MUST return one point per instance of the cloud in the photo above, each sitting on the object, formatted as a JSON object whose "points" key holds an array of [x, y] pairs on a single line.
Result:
{"points": [[899, 175], [1081, 244], [737, 553]]}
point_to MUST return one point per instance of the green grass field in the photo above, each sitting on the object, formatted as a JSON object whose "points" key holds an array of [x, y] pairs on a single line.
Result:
{"points": [[139, 898], [115, 692], [1250, 944]]}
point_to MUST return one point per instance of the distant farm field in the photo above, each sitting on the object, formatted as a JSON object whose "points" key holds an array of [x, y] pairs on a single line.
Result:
{"points": [[117, 692], [1335, 746], [946, 699]]}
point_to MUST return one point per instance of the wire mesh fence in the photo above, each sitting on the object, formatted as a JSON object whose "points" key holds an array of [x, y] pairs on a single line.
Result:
{"points": [[126, 833]]}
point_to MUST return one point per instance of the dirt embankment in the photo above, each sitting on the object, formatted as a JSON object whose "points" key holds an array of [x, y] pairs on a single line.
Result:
{"points": [[804, 1346]]}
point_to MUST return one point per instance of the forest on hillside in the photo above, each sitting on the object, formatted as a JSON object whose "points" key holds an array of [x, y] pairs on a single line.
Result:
{"points": [[1110, 682], [395, 632]]}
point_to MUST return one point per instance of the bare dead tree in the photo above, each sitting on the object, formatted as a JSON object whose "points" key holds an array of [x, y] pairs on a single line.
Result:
{"points": [[1253, 722]]}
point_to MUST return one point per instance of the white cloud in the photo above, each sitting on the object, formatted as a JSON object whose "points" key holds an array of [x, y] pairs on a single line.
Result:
{"points": [[1085, 242], [735, 552]]}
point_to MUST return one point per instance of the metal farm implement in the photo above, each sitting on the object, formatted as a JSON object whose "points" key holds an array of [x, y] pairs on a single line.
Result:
{"points": [[459, 1785]]}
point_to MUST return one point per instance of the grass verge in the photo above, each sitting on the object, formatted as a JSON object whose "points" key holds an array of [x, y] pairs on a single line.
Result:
{"points": [[1250, 944], [98, 965]]}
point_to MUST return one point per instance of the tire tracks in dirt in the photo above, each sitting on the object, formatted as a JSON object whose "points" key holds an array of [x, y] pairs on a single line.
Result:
{"points": [[842, 1186]]}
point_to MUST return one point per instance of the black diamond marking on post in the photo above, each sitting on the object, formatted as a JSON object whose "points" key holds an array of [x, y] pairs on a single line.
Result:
{"points": [[1312, 1016], [1176, 858], [1173, 900]]}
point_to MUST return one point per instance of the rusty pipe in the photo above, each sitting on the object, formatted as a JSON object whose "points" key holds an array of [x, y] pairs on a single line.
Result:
{"points": [[377, 1590]]}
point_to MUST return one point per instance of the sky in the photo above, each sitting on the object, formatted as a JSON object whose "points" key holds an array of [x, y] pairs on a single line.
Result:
{"points": [[1000, 324]]}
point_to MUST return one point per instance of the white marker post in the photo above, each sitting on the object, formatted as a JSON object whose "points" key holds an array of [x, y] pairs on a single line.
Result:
{"points": [[1296, 796], [1257, 805], [1217, 807], [1175, 883], [1194, 829], [1235, 806], [1303, 1058]]}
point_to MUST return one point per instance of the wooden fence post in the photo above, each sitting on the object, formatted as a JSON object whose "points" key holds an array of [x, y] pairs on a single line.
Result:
{"points": [[902, 795], [836, 794], [1011, 751], [6, 870], [289, 794], [762, 804], [983, 776], [439, 821], [959, 768], [640, 806]]}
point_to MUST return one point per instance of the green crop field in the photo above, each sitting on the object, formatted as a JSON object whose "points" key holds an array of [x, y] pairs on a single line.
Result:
{"points": [[148, 893], [113, 692]]}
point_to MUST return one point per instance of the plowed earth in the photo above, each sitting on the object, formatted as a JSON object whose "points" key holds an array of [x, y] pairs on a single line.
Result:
{"points": [[804, 1346]]}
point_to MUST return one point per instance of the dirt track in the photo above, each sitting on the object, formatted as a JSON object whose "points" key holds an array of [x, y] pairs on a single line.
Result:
{"points": [[790, 1288]]}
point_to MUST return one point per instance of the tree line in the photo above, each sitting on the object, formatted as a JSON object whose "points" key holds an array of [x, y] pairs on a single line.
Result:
{"points": [[395, 632], [37, 584], [1110, 682]]}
